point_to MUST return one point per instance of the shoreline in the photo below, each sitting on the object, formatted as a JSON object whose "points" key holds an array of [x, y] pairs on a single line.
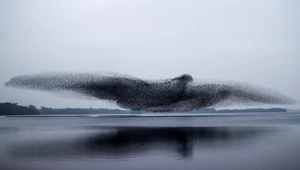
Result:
{"points": [[152, 115]]}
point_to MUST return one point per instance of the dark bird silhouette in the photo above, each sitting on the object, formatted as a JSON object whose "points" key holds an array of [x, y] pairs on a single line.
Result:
{"points": [[176, 94]]}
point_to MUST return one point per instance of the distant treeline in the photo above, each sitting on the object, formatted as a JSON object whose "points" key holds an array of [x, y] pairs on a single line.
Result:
{"points": [[45, 110], [15, 109]]}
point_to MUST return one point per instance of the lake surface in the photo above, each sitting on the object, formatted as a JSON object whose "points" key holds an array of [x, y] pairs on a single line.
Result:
{"points": [[264, 141]]}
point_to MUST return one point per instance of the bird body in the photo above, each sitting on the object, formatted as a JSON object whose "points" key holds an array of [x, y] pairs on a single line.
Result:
{"points": [[176, 94]]}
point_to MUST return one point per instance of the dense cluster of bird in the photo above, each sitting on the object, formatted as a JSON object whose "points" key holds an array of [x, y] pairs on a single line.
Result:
{"points": [[176, 94]]}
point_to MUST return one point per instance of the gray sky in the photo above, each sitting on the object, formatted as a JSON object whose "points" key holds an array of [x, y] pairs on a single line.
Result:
{"points": [[254, 41]]}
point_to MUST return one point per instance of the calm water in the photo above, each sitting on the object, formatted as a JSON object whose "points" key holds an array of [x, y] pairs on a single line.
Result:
{"points": [[263, 141]]}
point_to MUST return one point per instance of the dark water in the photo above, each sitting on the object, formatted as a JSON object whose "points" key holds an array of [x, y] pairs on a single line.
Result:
{"points": [[243, 142]]}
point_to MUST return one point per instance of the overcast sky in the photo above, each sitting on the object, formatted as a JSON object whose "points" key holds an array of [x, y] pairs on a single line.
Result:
{"points": [[253, 41]]}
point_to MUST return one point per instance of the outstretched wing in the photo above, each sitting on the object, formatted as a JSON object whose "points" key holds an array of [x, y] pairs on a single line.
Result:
{"points": [[227, 94], [95, 85], [222, 95]]}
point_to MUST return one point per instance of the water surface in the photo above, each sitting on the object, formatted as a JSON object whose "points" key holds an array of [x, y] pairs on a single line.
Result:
{"points": [[249, 141]]}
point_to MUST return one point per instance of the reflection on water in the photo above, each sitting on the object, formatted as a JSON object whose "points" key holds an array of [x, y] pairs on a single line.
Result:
{"points": [[122, 142], [267, 142]]}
